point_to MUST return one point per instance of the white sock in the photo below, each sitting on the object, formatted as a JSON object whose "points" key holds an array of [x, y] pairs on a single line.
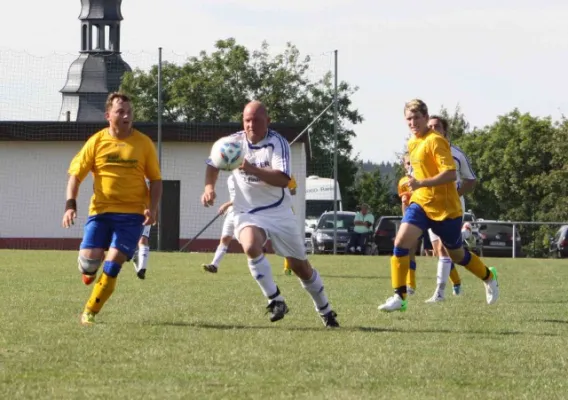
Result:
{"points": [[143, 255], [443, 274], [314, 287], [261, 271], [219, 254]]}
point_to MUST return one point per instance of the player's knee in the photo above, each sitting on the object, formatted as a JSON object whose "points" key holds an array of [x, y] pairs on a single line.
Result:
{"points": [[89, 266], [112, 268]]}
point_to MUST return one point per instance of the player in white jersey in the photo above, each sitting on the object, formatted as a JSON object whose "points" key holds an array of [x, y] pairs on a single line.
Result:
{"points": [[262, 210], [465, 182], [140, 258], [227, 233]]}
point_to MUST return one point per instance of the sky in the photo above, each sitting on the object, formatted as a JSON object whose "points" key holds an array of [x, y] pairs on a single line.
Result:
{"points": [[488, 57]]}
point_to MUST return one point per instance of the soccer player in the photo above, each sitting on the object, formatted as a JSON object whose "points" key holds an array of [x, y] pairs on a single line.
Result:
{"points": [[263, 210], [141, 255], [228, 230], [465, 182], [292, 187], [120, 159], [404, 193], [434, 204]]}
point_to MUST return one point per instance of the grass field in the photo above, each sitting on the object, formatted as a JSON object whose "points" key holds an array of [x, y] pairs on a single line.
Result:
{"points": [[183, 333]]}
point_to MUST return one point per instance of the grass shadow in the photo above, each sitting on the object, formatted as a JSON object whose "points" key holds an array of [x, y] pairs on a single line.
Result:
{"points": [[555, 321]]}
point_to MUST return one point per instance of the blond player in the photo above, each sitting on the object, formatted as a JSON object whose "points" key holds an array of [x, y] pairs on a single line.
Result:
{"points": [[120, 158]]}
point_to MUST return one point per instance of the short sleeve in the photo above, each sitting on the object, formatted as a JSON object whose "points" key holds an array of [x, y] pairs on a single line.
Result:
{"points": [[281, 155], [442, 154], [84, 160], [466, 172]]}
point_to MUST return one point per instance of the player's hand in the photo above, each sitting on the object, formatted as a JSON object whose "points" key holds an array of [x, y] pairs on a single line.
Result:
{"points": [[223, 209], [413, 184], [69, 218], [208, 197], [247, 167], [150, 219]]}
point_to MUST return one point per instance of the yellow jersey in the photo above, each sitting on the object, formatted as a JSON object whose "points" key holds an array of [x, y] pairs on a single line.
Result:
{"points": [[430, 154], [120, 168], [292, 185], [404, 191]]}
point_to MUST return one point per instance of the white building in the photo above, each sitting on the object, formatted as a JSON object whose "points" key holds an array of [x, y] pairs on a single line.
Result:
{"points": [[35, 156]]}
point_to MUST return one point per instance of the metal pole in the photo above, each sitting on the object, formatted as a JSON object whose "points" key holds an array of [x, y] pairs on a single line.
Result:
{"points": [[160, 140], [514, 239], [335, 140]]}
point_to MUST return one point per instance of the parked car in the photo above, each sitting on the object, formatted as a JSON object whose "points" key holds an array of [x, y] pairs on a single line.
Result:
{"points": [[384, 234], [559, 243], [497, 240], [322, 236]]}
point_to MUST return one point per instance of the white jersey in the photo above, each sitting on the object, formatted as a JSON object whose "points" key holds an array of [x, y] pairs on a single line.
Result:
{"points": [[253, 195], [231, 187], [463, 168]]}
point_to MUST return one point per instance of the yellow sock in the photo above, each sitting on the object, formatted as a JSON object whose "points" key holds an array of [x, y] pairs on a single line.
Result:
{"points": [[455, 276], [411, 278], [101, 292], [286, 265], [477, 267], [399, 271]]}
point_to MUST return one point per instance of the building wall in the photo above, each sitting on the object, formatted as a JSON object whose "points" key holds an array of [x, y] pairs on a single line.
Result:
{"points": [[33, 178]]}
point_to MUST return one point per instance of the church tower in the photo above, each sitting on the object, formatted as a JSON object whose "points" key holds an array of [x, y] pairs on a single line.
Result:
{"points": [[99, 68]]}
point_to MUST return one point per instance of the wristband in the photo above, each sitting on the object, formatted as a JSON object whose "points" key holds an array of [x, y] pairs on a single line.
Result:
{"points": [[71, 204]]}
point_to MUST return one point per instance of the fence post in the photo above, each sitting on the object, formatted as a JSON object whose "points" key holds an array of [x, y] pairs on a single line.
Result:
{"points": [[514, 240]]}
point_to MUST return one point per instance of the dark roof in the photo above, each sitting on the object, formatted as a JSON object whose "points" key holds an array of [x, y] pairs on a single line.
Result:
{"points": [[171, 132]]}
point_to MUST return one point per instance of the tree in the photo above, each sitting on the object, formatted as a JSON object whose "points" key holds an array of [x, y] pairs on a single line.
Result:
{"points": [[215, 87], [376, 191]]}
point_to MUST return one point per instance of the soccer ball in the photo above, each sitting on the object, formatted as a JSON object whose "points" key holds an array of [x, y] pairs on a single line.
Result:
{"points": [[227, 153]]}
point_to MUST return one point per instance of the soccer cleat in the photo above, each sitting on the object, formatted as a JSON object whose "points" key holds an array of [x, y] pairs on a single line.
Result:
{"points": [[457, 291], [329, 320], [88, 279], [436, 298], [278, 309], [410, 290], [88, 318], [492, 288], [141, 274], [287, 271], [209, 268], [394, 303]]}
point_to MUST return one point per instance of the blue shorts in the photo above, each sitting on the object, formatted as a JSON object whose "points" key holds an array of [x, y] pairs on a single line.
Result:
{"points": [[121, 231], [449, 230]]}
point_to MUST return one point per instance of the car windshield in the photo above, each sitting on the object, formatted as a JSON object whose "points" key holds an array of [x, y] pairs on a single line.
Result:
{"points": [[343, 221]]}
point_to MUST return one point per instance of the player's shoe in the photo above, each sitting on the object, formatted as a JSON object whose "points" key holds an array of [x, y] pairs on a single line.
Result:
{"points": [[329, 320], [492, 288], [394, 303], [436, 298], [287, 271], [410, 290], [88, 279], [209, 268], [457, 291], [278, 309], [88, 318], [141, 273]]}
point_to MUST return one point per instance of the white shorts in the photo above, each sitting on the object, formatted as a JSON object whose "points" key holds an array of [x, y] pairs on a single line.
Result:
{"points": [[228, 225], [432, 235], [282, 230], [146, 231]]}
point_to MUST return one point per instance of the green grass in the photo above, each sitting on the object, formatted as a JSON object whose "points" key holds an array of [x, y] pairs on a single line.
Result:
{"points": [[183, 333]]}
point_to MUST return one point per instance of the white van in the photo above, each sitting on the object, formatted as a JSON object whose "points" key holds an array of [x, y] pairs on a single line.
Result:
{"points": [[319, 199]]}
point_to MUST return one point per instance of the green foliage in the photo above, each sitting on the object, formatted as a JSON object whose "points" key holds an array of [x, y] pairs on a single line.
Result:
{"points": [[215, 87], [375, 190]]}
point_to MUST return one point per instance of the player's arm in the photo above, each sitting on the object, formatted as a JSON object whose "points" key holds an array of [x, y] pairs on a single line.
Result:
{"points": [[224, 207], [154, 175], [469, 180], [211, 176], [156, 190], [80, 166], [280, 172]]}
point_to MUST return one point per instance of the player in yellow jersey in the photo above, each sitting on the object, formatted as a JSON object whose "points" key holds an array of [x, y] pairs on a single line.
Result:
{"points": [[292, 186], [120, 159], [404, 193], [434, 204]]}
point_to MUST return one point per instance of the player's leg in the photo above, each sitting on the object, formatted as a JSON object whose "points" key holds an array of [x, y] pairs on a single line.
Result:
{"points": [[96, 239], [226, 238], [252, 239], [414, 223], [287, 269], [411, 276], [140, 258], [450, 233], [287, 242], [126, 231], [443, 270]]}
